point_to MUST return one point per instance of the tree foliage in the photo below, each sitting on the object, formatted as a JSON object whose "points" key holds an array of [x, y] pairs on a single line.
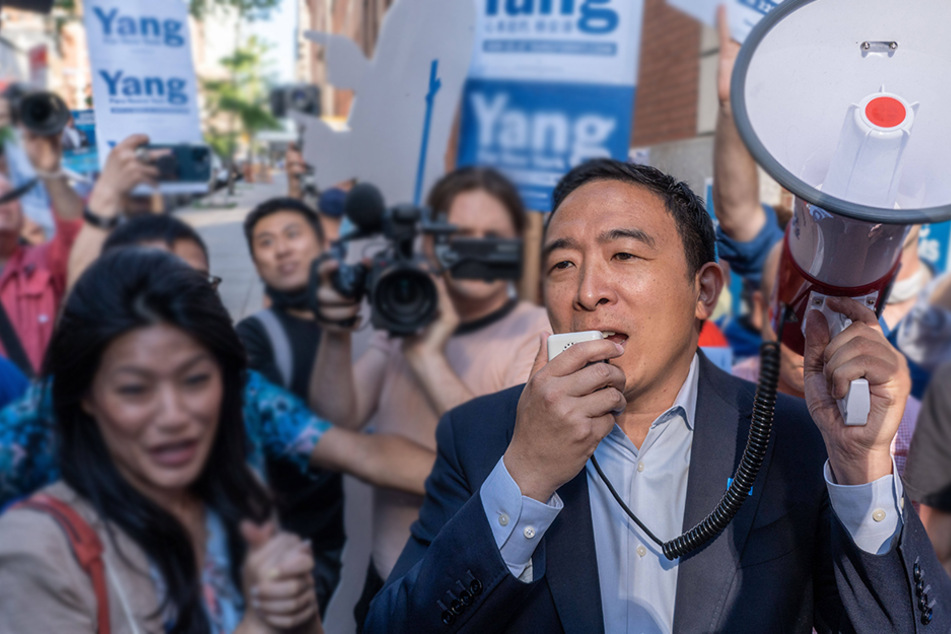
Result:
{"points": [[243, 96], [246, 8]]}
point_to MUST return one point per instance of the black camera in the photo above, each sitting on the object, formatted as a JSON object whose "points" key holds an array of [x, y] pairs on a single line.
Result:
{"points": [[297, 97], [399, 283], [183, 163], [42, 113]]}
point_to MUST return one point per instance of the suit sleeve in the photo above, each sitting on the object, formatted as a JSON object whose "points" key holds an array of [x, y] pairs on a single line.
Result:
{"points": [[450, 576], [903, 590]]}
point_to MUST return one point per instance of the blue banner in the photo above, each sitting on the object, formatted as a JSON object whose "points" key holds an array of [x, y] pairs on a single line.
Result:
{"points": [[552, 83], [934, 245], [535, 132]]}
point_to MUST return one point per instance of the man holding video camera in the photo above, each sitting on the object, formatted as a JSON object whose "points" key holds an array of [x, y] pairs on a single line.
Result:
{"points": [[482, 340], [33, 278]]}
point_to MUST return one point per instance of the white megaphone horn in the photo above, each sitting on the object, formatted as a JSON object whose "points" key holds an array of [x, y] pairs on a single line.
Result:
{"points": [[845, 103]]}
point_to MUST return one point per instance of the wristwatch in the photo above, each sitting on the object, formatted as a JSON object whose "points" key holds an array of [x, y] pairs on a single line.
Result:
{"points": [[99, 221]]}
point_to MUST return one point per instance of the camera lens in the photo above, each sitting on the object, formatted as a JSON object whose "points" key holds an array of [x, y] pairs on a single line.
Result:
{"points": [[407, 299], [44, 113]]}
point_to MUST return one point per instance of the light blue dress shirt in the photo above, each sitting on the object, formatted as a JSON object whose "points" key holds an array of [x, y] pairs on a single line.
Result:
{"points": [[638, 583]]}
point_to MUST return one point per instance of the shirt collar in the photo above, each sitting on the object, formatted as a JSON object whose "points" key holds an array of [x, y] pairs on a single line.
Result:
{"points": [[686, 402]]}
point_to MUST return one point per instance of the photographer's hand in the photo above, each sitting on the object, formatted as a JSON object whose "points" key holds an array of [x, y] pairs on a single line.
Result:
{"points": [[425, 353], [432, 340], [332, 393], [122, 173], [45, 153], [46, 156]]}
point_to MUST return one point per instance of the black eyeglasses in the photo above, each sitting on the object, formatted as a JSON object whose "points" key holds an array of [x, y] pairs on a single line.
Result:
{"points": [[214, 281]]}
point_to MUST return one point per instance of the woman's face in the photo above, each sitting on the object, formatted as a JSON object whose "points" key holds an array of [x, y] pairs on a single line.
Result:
{"points": [[156, 398]]}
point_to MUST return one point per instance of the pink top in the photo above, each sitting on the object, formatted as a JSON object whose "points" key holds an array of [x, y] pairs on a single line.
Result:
{"points": [[32, 284]]}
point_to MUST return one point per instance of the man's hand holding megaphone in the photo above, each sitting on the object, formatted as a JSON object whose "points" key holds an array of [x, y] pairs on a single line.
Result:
{"points": [[858, 454]]}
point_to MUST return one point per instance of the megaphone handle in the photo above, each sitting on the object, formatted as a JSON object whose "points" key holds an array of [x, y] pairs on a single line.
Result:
{"points": [[857, 403]]}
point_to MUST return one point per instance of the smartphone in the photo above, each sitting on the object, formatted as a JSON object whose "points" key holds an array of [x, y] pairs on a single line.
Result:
{"points": [[183, 163]]}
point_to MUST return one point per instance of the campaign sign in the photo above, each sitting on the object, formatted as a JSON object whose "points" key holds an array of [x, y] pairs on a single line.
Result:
{"points": [[535, 132], [551, 84], [143, 76], [742, 15], [934, 246], [79, 143]]}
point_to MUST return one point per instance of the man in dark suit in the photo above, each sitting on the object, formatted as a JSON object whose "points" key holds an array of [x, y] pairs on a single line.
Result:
{"points": [[518, 532]]}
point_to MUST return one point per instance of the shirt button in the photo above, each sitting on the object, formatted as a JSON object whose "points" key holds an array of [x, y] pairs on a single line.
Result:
{"points": [[878, 515], [43, 319], [641, 551], [640, 467], [529, 532], [503, 519]]}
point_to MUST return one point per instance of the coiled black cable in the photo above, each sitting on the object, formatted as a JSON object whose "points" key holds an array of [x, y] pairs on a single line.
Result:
{"points": [[761, 428]]}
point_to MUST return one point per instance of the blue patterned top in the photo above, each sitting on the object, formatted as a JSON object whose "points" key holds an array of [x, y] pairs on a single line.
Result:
{"points": [[278, 423]]}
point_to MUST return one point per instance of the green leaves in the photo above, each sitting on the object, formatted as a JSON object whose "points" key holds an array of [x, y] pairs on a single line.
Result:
{"points": [[248, 9]]}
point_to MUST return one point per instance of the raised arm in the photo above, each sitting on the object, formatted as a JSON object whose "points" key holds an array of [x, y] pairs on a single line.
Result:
{"points": [[383, 460], [735, 177], [342, 391], [46, 155], [122, 173]]}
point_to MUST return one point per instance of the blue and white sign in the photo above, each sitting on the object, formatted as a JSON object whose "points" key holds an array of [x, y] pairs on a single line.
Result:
{"points": [[551, 84], [742, 15], [143, 77], [934, 246]]}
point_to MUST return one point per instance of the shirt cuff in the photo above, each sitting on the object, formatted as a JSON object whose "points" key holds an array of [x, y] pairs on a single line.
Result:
{"points": [[518, 523], [872, 512]]}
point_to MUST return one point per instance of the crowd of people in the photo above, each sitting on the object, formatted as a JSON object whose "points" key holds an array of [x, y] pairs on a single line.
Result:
{"points": [[164, 469]]}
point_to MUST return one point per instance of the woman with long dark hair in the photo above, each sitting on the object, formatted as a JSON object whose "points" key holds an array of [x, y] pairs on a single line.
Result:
{"points": [[147, 377]]}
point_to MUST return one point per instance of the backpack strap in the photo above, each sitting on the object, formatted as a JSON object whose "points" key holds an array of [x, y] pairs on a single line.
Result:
{"points": [[280, 344], [85, 544]]}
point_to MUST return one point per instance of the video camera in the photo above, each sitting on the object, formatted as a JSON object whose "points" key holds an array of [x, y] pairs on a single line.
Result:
{"points": [[42, 113], [399, 283]]}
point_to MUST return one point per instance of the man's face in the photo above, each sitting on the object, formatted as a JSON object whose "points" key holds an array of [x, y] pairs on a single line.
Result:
{"points": [[283, 245], [614, 262], [478, 214]]}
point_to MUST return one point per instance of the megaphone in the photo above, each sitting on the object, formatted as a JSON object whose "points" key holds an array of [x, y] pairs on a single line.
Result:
{"points": [[844, 103]]}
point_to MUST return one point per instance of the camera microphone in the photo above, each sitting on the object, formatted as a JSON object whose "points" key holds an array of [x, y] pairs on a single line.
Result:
{"points": [[364, 207]]}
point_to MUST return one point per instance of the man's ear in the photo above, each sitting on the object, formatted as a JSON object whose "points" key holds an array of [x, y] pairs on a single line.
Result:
{"points": [[709, 283]]}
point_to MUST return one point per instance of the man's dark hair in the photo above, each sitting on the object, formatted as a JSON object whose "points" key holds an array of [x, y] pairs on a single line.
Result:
{"points": [[275, 205], [467, 179], [687, 209], [152, 228]]}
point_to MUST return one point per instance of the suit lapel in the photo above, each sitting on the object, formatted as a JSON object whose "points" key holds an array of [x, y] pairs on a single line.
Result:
{"points": [[720, 432], [572, 568]]}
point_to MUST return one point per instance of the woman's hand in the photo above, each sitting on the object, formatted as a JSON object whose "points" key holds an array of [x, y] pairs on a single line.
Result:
{"points": [[278, 581]]}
